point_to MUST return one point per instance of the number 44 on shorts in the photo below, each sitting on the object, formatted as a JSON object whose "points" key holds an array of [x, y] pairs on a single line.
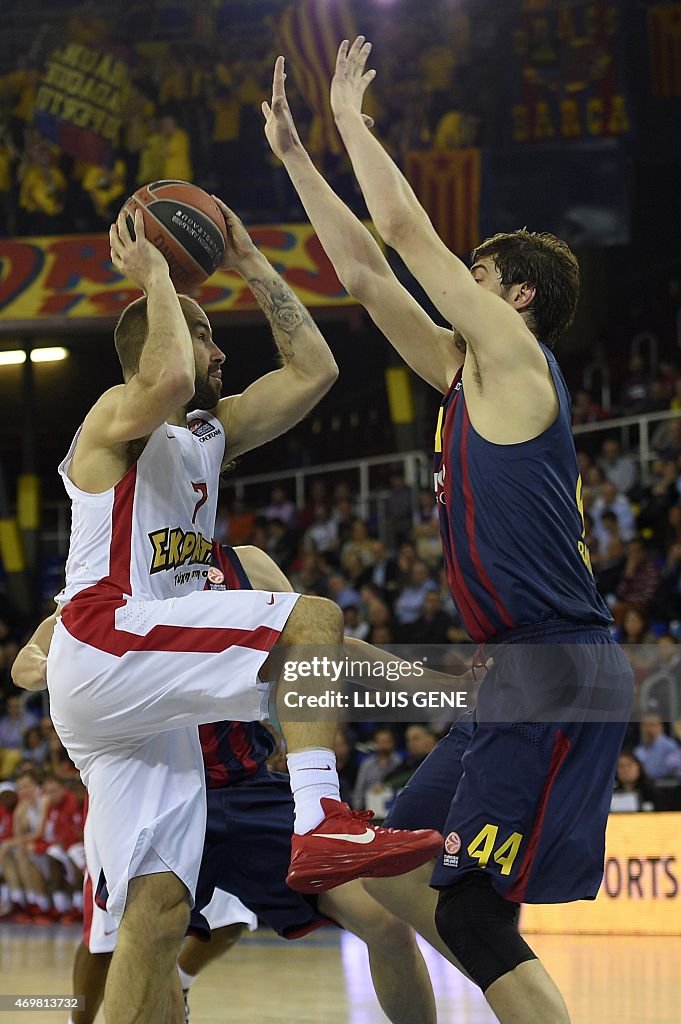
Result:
{"points": [[482, 848]]}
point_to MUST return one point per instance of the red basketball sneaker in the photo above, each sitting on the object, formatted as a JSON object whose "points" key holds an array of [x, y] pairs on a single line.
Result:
{"points": [[343, 846]]}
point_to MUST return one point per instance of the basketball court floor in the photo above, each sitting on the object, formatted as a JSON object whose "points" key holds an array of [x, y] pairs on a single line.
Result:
{"points": [[324, 979]]}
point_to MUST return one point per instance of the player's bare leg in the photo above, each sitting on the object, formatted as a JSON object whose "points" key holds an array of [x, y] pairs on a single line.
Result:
{"points": [[143, 969], [410, 898], [314, 630], [314, 627], [175, 1006], [89, 978], [527, 995], [195, 955], [393, 954]]}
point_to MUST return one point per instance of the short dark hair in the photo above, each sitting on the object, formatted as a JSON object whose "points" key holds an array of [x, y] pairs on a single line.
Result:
{"points": [[130, 334], [546, 262]]}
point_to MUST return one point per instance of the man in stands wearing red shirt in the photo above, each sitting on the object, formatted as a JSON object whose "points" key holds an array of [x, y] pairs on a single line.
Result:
{"points": [[59, 851]]}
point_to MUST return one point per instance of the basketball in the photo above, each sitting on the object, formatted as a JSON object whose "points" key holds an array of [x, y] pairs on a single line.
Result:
{"points": [[185, 224]]}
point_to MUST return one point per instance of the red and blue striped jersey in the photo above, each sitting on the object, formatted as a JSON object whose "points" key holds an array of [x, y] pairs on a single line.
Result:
{"points": [[512, 524], [232, 751]]}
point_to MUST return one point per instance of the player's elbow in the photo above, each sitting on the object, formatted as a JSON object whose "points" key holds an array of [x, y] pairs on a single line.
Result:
{"points": [[401, 224], [315, 383], [176, 386], [359, 281], [326, 374], [331, 374]]}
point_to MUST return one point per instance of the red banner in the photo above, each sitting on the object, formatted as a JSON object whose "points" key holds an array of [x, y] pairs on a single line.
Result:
{"points": [[448, 185], [54, 281], [311, 33]]}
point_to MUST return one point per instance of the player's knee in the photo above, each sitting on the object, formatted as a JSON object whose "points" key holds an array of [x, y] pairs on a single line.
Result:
{"points": [[223, 939], [158, 905], [314, 620], [388, 934], [480, 928]]}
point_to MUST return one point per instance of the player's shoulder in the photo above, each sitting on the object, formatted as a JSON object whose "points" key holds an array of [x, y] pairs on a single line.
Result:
{"points": [[104, 406]]}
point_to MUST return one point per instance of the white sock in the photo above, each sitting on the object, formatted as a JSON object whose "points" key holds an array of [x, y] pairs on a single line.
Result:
{"points": [[313, 776], [17, 896], [42, 903], [78, 899], [186, 980]]}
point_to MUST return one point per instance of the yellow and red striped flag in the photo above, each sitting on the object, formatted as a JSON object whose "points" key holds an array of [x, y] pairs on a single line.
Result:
{"points": [[664, 43], [448, 185], [311, 32]]}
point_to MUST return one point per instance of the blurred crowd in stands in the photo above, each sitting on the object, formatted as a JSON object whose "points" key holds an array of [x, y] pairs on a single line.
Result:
{"points": [[42, 858], [193, 112]]}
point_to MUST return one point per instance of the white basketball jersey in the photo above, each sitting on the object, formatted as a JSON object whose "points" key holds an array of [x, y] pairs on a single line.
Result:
{"points": [[149, 537]]}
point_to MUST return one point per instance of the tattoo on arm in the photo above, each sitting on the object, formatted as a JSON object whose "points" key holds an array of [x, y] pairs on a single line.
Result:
{"points": [[283, 309]]}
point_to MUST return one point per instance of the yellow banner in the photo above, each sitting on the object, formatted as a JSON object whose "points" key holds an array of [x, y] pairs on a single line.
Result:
{"points": [[639, 894], [67, 279]]}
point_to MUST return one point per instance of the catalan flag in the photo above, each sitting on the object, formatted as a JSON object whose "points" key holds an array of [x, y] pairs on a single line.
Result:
{"points": [[664, 44], [448, 185], [311, 32]]}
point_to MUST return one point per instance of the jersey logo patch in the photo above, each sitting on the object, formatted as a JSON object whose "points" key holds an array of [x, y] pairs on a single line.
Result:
{"points": [[453, 843], [215, 576], [203, 429]]}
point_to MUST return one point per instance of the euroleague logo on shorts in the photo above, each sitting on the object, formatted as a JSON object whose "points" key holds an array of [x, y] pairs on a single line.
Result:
{"points": [[215, 576], [453, 843]]}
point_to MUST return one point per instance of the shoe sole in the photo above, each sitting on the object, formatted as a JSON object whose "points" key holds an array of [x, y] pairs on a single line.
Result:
{"points": [[343, 868]]}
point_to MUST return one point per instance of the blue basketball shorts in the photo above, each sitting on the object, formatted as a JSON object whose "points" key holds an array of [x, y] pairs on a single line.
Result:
{"points": [[521, 788]]}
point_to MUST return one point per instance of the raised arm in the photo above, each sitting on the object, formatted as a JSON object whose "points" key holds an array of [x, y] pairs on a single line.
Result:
{"points": [[280, 399], [484, 319], [163, 380], [358, 261]]}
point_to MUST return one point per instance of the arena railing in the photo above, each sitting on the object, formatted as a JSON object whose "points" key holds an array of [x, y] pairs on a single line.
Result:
{"points": [[635, 436], [372, 500]]}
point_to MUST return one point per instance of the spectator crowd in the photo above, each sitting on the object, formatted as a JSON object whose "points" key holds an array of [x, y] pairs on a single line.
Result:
{"points": [[42, 857], [193, 112]]}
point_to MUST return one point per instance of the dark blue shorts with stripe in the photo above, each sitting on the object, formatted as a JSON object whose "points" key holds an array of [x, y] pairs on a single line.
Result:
{"points": [[521, 788]]}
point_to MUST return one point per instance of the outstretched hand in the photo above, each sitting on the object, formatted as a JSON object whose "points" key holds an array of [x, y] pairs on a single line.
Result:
{"points": [[135, 257], [240, 245], [280, 129], [350, 80]]}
